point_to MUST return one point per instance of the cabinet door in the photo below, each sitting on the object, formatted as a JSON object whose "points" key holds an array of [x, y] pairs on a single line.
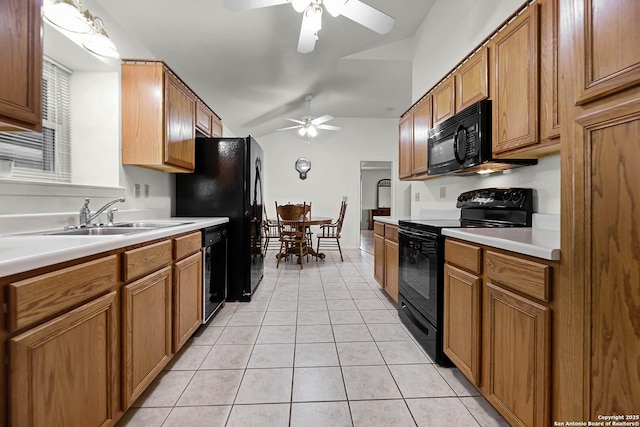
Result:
{"points": [[204, 118], [608, 156], [444, 97], [21, 76], [421, 126], [607, 35], [378, 259], [65, 372], [187, 299], [391, 254], [462, 321], [405, 149], [472, 80], [516, 353], [180, 107], [549, 75], [514, 85], [216, 130], [146, 341]]}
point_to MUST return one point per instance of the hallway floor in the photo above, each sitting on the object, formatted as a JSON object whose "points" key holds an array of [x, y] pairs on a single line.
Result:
{"points": [[322, 346]]}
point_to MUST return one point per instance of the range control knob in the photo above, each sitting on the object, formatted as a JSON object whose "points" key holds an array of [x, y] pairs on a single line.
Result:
{"points": [[516, 196]]}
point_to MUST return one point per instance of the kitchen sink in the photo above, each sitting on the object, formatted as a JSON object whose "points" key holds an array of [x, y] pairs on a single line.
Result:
{"points": [[144, 224], [97, 231]]}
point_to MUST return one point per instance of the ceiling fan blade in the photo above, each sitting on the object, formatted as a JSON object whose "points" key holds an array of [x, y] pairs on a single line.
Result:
{"points": [[368, 16], [328, 127], [290, 127], [311, 23], [251, 4], [300, 122], [321, 119]]}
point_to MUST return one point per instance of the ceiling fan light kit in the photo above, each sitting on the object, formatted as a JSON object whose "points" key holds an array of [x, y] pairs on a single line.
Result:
{"points": [[308, 126], [311, 10]]}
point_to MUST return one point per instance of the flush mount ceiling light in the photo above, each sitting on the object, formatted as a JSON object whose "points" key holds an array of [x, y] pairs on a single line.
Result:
{"points": [[99, 42], [308, 126], [311, 10], [68, 15], [71, 16]]}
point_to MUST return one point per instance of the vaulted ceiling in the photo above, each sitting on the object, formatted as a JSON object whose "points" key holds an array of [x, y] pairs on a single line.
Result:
{"points": [[245, 66]]}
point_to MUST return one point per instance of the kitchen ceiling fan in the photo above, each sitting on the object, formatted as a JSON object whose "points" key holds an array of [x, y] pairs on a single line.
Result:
{"points": [[355, 10], [309, 126]]}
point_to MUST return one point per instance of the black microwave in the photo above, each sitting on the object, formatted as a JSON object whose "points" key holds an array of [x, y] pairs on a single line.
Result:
{"points": [[462, 141], [461, 144]]}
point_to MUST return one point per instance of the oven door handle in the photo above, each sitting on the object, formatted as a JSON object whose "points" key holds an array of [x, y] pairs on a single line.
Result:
{"points": [[413, 319], [423, 234]]}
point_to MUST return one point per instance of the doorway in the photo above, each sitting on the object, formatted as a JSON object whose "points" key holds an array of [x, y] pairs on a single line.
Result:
{"points": [[373, 196]]}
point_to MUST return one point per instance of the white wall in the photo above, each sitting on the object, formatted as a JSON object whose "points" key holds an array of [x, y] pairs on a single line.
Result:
{"points": [[335, 168], [440, 46]]}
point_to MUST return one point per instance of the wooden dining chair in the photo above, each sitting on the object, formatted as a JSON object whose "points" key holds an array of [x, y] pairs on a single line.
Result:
{"points": [[271, 231], [291, 226], [330, 233]]}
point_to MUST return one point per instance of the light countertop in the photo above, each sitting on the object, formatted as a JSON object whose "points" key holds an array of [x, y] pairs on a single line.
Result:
{"points": [[20, 253], [541, 241], [536, 242]]}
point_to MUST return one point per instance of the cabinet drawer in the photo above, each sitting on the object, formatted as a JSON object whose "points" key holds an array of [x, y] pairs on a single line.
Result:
{"points": [[186, 245], [526, 276], [37, 298], [144, 260], [378, 228], [391, 232], [463, 255]]}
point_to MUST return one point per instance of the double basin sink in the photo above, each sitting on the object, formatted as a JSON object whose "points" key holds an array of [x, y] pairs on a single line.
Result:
{"points": [[115, 229]]}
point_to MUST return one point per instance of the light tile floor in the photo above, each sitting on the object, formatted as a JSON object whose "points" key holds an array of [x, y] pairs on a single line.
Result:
{"points": [[322, 346]]}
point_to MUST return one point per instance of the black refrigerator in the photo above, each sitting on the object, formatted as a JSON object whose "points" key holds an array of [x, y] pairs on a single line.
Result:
{"points": [[228, 181]]}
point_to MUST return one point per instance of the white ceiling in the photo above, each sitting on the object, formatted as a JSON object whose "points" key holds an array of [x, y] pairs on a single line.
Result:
{"points": [[245, 65]]}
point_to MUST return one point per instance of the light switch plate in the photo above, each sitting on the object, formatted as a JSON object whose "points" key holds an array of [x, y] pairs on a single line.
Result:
{"points": [[136, 189], [146, 191], [416, 197], [443, 192]]}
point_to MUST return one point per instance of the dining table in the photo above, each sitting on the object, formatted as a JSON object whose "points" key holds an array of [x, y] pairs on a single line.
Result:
{"points": [[313, 220]]}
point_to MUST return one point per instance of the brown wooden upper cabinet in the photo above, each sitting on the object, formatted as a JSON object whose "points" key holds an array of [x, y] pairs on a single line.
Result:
{"points": [[515, 60], [207, 122], [21, 78], [472, 80], [158, 118], [444, 100], [608, 55], [405, 160], [421, 126]]}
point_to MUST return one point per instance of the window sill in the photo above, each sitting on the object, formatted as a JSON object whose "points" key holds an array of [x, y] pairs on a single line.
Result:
{"points": [[14, 187]]}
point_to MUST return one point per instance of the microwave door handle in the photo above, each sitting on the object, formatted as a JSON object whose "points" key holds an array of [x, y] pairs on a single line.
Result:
{"points": [[456, 145]]}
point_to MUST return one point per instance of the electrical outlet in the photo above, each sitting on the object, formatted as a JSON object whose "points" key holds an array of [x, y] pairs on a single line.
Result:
{"points": [[443, 192], [345, 198], [136, 189], [146, 191], [416, 197]]}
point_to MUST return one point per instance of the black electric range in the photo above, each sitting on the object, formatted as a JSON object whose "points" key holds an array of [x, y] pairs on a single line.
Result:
{"points": [[421, 265]]}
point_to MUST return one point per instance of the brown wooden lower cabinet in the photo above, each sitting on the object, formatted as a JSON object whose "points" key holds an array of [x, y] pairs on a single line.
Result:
{"points": [[516, 356], [462, 321], [386, 257], [378, 259], [497, 327], [65, 371], [146, 331], [187, 299], [392, 258]]}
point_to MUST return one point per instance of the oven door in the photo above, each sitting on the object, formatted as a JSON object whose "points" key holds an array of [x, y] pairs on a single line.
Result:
{"points": [[419, 271]]}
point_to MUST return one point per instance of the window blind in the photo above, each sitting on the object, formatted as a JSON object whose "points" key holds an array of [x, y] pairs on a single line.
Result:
{"points": [[46, 155]]}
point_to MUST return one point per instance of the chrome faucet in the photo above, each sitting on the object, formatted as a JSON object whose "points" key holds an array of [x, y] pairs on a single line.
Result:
{"points": [[86, 217]]}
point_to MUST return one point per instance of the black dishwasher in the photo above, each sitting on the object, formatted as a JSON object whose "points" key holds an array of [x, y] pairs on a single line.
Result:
{"points": [[214, 272]]}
